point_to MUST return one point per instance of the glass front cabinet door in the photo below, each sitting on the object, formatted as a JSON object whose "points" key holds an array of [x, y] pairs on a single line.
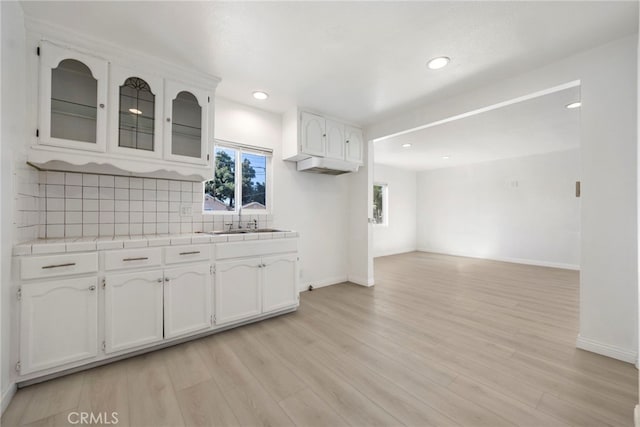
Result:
{"points": [[186, 123], [73, 96], [136, 124]]}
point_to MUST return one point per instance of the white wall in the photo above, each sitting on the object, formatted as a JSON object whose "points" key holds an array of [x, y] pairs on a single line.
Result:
{"points": [[360, 238], [609, 255], [521, 210], [315, 205], [13, 167], [399, 235]]}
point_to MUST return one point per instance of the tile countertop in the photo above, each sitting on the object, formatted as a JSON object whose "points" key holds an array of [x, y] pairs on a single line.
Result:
{"points": [[79, 244]]}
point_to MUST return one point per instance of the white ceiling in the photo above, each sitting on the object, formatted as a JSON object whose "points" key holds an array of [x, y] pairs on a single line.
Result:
{"points": [[360, 61], [536, 126]]}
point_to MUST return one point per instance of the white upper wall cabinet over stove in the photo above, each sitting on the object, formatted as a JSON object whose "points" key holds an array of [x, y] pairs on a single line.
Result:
{"points": [[308, 134]]}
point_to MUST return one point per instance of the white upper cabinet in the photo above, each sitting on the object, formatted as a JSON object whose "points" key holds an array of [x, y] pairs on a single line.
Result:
{"points": [[335, 140], [354, 144], [312, 140], [306, 135], [186, 123], [135, 123], [109, 111], [72, 99]]}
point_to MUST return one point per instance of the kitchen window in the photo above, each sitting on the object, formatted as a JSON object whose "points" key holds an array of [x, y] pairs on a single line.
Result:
{"points": [[381, 204], [242, 178]]}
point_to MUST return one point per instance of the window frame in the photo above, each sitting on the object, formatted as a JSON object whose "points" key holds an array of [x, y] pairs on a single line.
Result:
{"points": [[239, 150], [385, 204]]}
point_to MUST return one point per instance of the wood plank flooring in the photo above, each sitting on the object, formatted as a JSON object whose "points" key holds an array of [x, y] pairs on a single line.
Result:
{"points": [[439, 340]]}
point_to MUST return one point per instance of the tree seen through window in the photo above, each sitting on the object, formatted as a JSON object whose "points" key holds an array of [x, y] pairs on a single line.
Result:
{"points": [[220, 192]]}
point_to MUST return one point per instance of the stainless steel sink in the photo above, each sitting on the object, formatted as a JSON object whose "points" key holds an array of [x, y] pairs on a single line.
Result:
{"points": [[247, 231]]}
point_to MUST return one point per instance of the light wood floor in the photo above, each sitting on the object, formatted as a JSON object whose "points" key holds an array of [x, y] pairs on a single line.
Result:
{"points": [[438, 341]]}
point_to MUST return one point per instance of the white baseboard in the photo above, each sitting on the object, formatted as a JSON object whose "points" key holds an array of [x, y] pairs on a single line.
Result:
{"points": [[322, 283], [606, 349], [7, 396], [506, 259], [395, 252], [362, 281]]}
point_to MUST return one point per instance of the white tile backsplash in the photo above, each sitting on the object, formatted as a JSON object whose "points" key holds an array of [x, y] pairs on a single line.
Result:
{"points": [[68, 204]]}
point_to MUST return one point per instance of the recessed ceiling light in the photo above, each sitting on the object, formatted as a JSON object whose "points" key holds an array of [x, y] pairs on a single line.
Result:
{"points": [[445, 157], [260, 95], [573, 105], [439, 62], [406, 145], [135, 111]]}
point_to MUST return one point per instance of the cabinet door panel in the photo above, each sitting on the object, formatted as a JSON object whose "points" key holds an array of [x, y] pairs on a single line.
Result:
{"points": [[73, 96], [280, 282], [186, 123], [237, 290], [312, 134], [58, 323], [354, 144], [133, 310], [136, 113], [335, 140], [187, 299]]}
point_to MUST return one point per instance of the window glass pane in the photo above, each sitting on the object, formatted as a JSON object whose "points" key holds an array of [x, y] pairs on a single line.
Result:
{"points": [[74, 94], [137, 114], [220, 192], [254, 181], [378, 204]]}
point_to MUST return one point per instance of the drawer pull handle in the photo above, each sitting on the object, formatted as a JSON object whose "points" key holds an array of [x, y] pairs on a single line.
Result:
{"points": [[92, 288], [141, 258], [190, 253], [69, 264]]}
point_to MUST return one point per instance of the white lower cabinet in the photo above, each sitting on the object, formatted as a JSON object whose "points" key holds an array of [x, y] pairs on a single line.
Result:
{"points": [[149, 296], [280, 285], [187, 299], [237, 288], [249, 287], [146, 307], [133, 309], [59, 323]]}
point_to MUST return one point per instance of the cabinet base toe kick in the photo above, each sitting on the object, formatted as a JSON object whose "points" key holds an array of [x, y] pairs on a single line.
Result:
{"points": [[38, 377]]}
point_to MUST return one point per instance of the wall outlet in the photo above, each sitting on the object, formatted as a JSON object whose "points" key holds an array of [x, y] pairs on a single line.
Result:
{"points": [[186, 210]]}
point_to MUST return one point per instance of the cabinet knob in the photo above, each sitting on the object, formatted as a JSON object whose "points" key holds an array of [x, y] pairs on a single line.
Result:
{"points": [[347, 141], [324, 135], [166, 279], [159, 280], [92, 288], [168, 119], [101, 105]]}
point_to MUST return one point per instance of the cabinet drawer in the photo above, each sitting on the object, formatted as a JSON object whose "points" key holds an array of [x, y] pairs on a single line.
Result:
{"points": [[58, 265], [255, 248], [117, 260], [178, 254]]}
